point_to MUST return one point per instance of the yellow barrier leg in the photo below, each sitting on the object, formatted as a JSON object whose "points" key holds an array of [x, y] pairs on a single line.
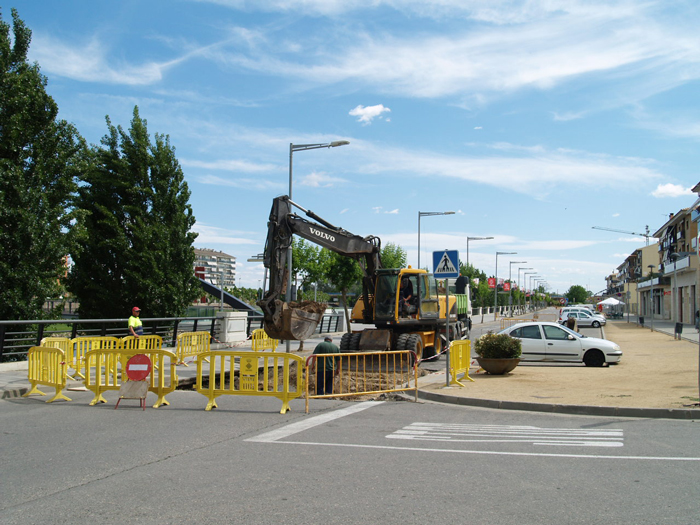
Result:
{"points": [[211, 404], [98, 399], [161, 401], [58, 395], [285, 406], [466, 376], [34, 390]]}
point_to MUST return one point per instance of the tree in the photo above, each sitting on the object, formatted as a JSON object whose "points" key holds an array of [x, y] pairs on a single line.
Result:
{"points": [[393, 256], [343, 272], [577, 294], [136, 241], [40, 157]]}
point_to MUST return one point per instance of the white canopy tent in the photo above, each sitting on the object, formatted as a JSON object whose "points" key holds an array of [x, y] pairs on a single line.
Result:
{"points": [[610, 301]]}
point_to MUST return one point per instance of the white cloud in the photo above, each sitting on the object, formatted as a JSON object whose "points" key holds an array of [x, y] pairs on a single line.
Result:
{"points": [[478, 127], [671, 190], [366, 114], [319, 180], [88, 62], [615, 214], [393, 212], [533, 171], [229, 165], [212, 235], [241, 182]]}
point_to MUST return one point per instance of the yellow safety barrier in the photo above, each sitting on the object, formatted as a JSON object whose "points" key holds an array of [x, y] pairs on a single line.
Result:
{"points": [[259, 374], [83, 345], [261, 341], [191, 344], [47, 366], [507, 322], [460, 360], [66, 345], [105, 366], [144, 343], [363, 373]]}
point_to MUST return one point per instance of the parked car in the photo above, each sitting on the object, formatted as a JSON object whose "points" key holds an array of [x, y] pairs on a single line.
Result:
{"points": [[581, 309], [543, 341], [583, 318]]}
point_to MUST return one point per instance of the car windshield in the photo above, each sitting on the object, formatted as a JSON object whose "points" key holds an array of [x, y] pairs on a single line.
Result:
{"points": [[572, 332]]}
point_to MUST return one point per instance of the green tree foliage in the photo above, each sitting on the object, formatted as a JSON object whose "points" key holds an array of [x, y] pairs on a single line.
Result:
{"points": [[343, 272], [137, 241], [40, 157], [309, 263], [393, 256], [577, 294]]}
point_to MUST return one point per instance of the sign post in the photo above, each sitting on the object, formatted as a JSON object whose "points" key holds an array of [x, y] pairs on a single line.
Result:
{"points": [[138, 368], [446, 264]]}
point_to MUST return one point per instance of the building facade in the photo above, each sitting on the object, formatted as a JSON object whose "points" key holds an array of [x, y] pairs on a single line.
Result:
{"points": [[214, 263], [670, 290]]}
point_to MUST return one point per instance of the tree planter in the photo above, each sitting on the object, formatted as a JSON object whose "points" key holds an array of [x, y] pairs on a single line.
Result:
{"points": [[497, 366]]}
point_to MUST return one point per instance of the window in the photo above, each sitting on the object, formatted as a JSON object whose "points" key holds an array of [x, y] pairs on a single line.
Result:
{"points": [[555, 333], [527, 332]]}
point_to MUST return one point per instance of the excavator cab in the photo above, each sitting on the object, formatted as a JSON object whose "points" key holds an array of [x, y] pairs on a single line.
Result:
{"points": [[405, 294]]}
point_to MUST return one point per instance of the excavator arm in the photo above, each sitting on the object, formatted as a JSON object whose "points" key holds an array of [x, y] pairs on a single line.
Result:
{"points": [[298, 321]]}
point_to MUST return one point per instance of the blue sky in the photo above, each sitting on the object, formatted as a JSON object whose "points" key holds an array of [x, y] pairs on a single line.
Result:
{"points": [[532, 120]]}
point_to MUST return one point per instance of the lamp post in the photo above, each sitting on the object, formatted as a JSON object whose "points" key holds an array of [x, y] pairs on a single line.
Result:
{"points": [[651, 309], [510, 280], [526, 281], [428, 214], [474, 239], [495, 290], [674, 292], [519, 289], [292, 149]]}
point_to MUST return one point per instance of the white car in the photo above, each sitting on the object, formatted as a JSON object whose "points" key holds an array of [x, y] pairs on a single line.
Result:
{"points": [[542, 341], [583, 317]]}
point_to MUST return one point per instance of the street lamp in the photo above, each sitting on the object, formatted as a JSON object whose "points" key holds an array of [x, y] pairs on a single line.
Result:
{"points": [[495, 295], [651, 273], [526, 281], [292, 149], [474, 239], [674, 292], [519, 289], [428, 214], [510, 279]]}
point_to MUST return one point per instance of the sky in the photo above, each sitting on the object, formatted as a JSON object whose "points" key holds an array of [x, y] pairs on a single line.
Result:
{"points": [[532, 120]]}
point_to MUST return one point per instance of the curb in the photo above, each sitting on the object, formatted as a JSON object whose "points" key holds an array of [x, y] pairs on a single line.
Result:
{"points": [[580, 410]]}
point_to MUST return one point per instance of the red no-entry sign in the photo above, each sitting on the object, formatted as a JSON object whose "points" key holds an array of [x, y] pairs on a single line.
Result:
{"points": [[138, 367]]}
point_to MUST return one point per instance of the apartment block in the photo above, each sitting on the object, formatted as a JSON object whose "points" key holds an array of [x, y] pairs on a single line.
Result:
{"points": [[214, 263]]}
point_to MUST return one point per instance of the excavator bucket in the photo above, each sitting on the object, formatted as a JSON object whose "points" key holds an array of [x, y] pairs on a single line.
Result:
{"points": [[294, 321]]}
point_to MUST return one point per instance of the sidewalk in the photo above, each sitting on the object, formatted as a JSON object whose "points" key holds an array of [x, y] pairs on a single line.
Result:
{"points": [[657, 377]]}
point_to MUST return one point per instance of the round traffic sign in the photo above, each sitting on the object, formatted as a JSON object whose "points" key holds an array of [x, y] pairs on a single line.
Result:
{"points": [[138, 367]]}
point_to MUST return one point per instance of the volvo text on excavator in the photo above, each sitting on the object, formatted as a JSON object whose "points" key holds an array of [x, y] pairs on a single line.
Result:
{"points": [[405, 305]]}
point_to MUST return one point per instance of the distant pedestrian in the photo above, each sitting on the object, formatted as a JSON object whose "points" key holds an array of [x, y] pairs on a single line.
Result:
{"points": [[327, 367], [135, 324], [697, 320]]}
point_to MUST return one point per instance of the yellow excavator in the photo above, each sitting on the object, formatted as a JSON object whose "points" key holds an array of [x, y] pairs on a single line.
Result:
{"points": [[406, 306]]}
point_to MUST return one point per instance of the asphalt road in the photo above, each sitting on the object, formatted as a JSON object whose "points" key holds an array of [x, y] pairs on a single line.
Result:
{"points": [[393, 462]]}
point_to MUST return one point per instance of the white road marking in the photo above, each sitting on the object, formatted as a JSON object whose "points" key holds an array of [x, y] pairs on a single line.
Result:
{"points": [[561, 437], [315, 421], [488, 452]]}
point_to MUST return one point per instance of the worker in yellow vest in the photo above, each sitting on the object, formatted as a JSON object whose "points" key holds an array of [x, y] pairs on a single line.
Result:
{"points": [[135, 324]]}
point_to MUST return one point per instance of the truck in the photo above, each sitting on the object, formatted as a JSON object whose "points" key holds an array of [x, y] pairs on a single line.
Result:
{"points": [[412, 318]]}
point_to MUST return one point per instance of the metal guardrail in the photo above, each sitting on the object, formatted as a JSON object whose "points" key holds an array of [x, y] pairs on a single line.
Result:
{"points": [[17, 337]]}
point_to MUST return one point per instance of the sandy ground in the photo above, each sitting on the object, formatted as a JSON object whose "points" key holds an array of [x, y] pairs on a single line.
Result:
{"points": [[656, 371]]}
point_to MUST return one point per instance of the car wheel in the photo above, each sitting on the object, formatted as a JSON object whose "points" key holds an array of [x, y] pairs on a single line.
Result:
{"points": [[594, 358], [595, 324]]}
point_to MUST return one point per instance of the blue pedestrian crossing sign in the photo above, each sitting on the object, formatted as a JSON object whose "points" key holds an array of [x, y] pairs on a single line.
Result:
{"points": [[446, 264]]}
